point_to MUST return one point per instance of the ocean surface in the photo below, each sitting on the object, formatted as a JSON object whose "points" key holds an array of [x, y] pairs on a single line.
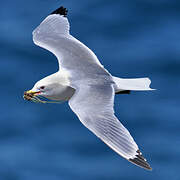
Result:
{"points": [[139, 38]]}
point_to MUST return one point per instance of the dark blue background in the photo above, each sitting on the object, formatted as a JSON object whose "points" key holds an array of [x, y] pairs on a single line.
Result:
{"points": [[132, 38]]}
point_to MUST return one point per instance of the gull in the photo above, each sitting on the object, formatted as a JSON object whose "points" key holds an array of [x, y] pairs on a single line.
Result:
{"points": [[87, 86]]}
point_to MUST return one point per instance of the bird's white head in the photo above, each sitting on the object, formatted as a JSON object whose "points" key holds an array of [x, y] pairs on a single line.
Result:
{"points": [[44, 87], [54, 87]]}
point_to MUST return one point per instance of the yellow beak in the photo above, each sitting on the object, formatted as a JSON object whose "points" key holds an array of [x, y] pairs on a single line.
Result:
{"points": [[30, 92], [28, 95]]}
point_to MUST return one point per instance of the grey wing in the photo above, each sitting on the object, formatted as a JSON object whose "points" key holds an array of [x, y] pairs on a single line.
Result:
{"points": [[53, 35], [94, 107]]}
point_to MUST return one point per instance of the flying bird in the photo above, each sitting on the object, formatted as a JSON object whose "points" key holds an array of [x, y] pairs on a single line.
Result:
{"points": [[87, 86]]}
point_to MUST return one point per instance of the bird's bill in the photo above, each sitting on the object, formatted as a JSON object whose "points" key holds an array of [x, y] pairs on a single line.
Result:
{"points": [[32, 93], [35, 96], [29, 95]]}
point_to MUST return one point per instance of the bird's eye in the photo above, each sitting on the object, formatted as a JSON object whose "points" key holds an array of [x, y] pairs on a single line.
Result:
{"points": [[42, 87]]}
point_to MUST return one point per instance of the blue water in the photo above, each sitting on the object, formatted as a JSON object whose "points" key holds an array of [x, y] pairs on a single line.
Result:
{"points": [[132, 39]]}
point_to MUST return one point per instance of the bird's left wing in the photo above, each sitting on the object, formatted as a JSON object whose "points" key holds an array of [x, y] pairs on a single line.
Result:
{"points": [[53, 35], [93, 104]]}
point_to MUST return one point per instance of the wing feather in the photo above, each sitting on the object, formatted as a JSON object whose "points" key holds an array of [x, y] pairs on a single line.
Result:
{"points": [[53, 34], [94, 107]]}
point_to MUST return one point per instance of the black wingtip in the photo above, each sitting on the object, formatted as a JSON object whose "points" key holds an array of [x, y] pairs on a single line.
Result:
{"points": [[139, 160], [62, 11]]}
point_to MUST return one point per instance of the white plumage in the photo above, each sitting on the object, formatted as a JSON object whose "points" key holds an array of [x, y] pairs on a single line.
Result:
{"points": [[88, 86]]}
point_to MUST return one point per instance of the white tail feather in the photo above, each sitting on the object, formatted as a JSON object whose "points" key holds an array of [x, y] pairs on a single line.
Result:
{"points": [[136, 84]]}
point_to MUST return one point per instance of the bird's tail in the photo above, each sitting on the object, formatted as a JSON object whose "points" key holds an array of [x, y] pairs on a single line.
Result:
{"points": [[136, 84]]}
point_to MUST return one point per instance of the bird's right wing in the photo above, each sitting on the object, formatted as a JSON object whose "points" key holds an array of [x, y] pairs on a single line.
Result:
{"points": [[93, 104], [53, 35]]}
